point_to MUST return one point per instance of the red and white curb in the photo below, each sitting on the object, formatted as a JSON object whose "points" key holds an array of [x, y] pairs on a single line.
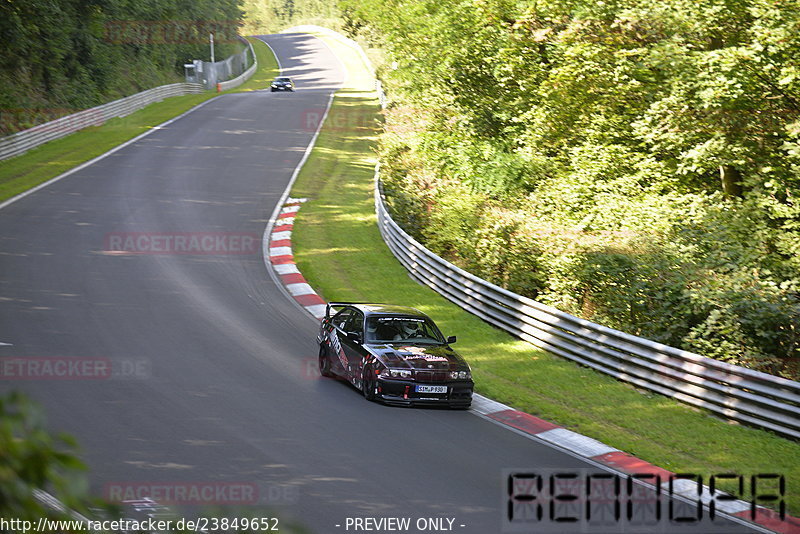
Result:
{"points": [[626, 464], [281, 258]]}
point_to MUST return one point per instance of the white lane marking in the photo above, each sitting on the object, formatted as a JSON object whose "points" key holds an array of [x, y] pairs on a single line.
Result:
{"points": [[101, 156], [484, 405], [578, 443], [6, 344], [277, 59], [345, 71], [274, 221]]}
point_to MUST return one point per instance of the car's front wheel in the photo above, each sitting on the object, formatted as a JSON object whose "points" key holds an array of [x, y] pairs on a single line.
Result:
{"points": [[324, 362], [369, 384]]}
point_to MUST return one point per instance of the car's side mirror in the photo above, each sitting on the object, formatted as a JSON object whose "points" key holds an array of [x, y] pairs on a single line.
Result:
{"points": [[354, 336], [451, 339]]}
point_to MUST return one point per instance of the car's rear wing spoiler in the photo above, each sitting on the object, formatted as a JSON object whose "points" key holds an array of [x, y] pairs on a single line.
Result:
{"points": [[336, 305]]}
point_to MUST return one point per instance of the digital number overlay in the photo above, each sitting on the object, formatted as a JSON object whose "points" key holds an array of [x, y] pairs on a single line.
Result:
{"points": [[548, 500]]}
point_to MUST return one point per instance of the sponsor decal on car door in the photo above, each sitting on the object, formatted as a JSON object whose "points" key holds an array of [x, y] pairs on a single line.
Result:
{"points": [[336, 345], [352, 358]]}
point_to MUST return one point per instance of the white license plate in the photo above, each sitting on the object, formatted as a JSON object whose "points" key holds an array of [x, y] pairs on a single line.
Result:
{"points": [[431, 389]]}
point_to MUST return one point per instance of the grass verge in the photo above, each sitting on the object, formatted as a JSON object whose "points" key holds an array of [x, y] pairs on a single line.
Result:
{"points": [[56, 157], [339, 250]]}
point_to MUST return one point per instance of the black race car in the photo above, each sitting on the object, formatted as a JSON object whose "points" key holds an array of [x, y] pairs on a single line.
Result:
{"points": [[282, 83], [393, 354]]}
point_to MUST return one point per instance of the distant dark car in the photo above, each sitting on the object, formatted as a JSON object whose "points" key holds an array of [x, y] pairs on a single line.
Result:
{"points": [[282, 83], [393, 354]]}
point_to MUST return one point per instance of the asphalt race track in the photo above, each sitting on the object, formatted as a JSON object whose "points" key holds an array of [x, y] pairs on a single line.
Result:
{"points": [[215, 381]]}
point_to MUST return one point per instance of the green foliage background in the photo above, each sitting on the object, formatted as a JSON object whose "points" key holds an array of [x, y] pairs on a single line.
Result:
{"points": [[33, 459], [272, 16], [61, 56], [631, 162]]}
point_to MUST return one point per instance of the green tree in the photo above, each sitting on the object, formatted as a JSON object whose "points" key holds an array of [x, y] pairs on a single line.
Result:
{"points": [[61, 56], [644, 158]]}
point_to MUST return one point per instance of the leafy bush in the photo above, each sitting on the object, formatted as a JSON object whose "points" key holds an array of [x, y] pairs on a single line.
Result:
{"points": [[636, 164], [32, 460]]}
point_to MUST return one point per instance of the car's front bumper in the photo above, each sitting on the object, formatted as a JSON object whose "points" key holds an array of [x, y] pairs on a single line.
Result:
{"points": [[403, 392]]}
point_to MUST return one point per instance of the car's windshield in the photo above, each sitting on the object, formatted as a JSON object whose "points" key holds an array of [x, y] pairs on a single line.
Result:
{"points": [[402, 329], [283, 79]]}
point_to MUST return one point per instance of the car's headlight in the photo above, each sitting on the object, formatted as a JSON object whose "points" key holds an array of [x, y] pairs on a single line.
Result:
{"points": [[396, 373], [460, 375]]}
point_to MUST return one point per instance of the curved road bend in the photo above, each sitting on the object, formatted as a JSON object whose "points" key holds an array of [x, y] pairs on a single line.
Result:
{"points": [[224, 391]]}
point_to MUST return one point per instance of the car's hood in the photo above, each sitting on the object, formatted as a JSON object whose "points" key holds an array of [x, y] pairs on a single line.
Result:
{"points": [[409, 355]]}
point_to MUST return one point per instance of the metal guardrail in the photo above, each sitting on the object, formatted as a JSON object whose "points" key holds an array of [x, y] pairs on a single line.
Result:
{"points": [[731, 391], [21, 142]]}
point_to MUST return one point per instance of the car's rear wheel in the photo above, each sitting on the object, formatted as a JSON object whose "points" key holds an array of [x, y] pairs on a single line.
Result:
{"points": [[324, 362], [369, 385]]}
